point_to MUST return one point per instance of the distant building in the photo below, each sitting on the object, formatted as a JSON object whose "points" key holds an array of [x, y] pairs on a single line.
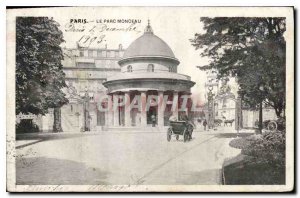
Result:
{"points": [[225, 101], [86, 69]]}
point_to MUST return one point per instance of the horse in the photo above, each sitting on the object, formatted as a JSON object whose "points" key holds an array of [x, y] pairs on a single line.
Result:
{"points": [[218, 122], [228, 122]]}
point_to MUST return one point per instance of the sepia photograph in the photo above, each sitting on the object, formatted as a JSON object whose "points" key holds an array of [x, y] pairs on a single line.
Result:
{"points": [[150, 99]]}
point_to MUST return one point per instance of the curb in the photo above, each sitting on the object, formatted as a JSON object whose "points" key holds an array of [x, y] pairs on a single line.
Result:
{"points": [[28, 144]]}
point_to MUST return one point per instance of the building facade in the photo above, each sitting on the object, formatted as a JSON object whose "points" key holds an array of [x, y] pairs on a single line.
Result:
{"points": [[86, 69]]}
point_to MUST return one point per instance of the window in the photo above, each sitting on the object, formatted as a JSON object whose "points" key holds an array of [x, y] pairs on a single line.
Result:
{"points": [[103, 63], [129, 68], [150, 68], [80, 64], [71, 108], [108, 53], [171, 69], [224, 102], [107, 63], [81, 53], [90, 53], [112, 54], [100, 118], [99, 53]]}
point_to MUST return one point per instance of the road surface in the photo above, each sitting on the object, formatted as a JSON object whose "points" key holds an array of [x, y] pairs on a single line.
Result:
{"points": [[124, 158]]}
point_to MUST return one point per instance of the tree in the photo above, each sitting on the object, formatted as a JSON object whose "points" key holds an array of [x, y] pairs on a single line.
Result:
{"points": [[39, 74], [250, 49]]}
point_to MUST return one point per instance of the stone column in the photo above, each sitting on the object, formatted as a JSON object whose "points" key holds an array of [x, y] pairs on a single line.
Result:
{"points": [[127, 109], [160, 109], [116, 109], [143, 109], [110, 119], [185, 104], [175, 104]]}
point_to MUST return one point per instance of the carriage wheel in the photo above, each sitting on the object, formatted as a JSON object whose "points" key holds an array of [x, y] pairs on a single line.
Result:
{"points": [[177, 137], [185, 137], [169, 134], [272, 126], [191, 135], [190, 131]]}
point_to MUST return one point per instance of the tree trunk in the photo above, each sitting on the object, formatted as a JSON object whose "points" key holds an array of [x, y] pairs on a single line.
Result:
{"points": [[57, 120], [238, 114], [278, 111], [260, 118]]}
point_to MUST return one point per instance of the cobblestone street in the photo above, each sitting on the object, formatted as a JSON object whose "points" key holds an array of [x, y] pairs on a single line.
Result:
{"points": [[124, 158]]}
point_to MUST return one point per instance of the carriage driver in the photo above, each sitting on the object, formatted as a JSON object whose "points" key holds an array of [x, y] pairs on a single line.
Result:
{"points": [[173, 118], [184, 117]]}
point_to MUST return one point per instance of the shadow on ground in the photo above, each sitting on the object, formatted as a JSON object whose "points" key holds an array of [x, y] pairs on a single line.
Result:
{"points": [[232, 135], [39, 137], [50, 171]]}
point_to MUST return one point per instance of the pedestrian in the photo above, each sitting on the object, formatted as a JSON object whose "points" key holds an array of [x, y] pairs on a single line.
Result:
{"points": [[153, 119], [205, 124]]}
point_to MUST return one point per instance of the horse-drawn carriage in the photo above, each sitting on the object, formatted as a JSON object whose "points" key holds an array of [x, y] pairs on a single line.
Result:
{"points": [[180, 128]]}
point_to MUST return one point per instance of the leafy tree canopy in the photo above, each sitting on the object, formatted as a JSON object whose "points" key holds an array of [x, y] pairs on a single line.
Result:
{"points": [[39, 75], [250, 49]]}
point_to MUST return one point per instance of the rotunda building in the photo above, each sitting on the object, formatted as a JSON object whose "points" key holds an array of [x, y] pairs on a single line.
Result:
{"points": [[148, 68]]}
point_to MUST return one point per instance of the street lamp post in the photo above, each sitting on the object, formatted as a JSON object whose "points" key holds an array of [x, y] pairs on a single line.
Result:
{"points": [[86, 116], [210, 104]]}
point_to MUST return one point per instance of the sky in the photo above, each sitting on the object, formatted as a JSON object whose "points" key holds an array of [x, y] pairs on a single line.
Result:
{"points": [[174, 26]]}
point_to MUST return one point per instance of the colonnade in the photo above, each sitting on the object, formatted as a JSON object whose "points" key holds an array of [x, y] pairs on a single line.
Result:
{"points": [[113, 116]]}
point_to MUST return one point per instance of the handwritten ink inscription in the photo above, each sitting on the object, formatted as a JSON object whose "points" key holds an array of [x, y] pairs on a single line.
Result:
{"points": [[95, 31]]}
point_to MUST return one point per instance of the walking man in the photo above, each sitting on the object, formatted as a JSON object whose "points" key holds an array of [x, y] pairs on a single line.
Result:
{"points": [[205, 124]]}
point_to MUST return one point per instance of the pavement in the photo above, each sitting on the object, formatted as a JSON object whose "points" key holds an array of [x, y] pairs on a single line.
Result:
{"points": [[123, 158]]}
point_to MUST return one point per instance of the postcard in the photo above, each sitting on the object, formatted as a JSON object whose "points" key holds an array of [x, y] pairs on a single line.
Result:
{"points": [[150, 99]]}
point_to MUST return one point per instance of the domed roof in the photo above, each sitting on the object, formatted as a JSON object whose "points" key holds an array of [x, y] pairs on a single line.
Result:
{"points": [[148, 45]]}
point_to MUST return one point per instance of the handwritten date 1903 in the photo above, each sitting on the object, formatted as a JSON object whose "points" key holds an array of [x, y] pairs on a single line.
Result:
{"points": [[87, 40]]}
